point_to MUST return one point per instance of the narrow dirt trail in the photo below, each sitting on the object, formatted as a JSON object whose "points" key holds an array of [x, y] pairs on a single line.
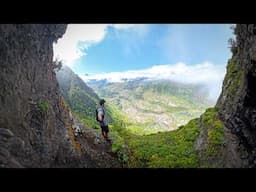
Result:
{"points": [[94, 146]]}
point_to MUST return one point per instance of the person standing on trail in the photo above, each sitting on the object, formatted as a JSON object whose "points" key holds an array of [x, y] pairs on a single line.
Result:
{"points": [[101, 118]]}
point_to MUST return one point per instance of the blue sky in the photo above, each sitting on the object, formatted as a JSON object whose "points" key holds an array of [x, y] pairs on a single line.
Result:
{"points": [[106, 48], [142, 46]]}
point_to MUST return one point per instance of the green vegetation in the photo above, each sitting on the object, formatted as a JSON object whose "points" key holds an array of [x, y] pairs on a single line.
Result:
{"points": [[119, 133], [43, 107], [141, 115], [119, 147], [166, 149], [215, 132], [81, 99], [233, 77], [83, 106], [154, 106], [233, 46], [142, 141], [174, 149]]}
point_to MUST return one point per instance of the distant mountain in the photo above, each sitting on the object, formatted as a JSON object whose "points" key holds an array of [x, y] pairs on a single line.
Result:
{"points": [[155, 105], [81, 98], [99, 82]]}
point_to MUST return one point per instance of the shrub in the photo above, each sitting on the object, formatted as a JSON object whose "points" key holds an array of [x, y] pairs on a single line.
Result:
{"points": [[57, 65], [232, 45]]}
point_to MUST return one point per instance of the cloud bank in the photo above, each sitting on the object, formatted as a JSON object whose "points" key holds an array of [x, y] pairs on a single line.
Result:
{"points": [[206, 74], [79, 37], [67, 48]]}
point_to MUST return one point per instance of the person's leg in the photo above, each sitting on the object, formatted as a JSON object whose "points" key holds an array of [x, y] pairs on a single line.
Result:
{"points": [[102, 132], [107, 131]]}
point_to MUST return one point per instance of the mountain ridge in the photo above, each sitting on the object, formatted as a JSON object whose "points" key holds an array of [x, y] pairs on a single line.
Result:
{"points": [[81, 99]]}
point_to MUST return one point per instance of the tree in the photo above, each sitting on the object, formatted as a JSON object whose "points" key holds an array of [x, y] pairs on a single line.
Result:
{"points": [[233, 28], [232, 45]]}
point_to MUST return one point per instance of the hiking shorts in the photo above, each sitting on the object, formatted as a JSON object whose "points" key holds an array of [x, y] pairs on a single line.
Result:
{"points": [[104, 128]]}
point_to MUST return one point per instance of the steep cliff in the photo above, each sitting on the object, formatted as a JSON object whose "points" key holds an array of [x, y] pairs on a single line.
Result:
{"points": [[237, 102], [32, 123], [227, 133]]}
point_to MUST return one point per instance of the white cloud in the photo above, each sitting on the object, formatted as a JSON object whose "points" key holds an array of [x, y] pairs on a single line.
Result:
{"points": [[206, 73], [67, 48], [123, 26]]}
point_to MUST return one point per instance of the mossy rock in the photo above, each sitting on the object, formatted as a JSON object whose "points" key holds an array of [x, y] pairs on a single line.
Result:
{"points": [[233, 78], [214, 137], [43, 107]]}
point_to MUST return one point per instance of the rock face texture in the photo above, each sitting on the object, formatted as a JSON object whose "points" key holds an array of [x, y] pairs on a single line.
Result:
{"points": [[237, 102], [32, 131]]}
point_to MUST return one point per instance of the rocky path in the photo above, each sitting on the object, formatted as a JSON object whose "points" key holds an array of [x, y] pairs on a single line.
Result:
{"points": [[94, 146]]}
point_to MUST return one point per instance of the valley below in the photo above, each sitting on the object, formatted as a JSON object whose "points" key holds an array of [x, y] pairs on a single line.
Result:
{"points": [[154, 105]]}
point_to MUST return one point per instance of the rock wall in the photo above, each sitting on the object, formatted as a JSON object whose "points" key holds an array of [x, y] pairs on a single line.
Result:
{"points": [[32, 127], [237, 102]]}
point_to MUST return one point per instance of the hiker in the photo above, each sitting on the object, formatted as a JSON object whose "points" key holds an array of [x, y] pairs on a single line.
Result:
{"points": [[101, 118]]}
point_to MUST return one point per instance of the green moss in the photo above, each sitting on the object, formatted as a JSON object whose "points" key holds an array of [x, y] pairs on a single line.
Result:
{"points": [[209, 115], [233, 78], [215, 132], [43, 107]]}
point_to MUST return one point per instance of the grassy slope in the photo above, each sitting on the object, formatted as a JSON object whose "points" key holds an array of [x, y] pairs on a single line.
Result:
{"points": [[173, 149], [80, 98]]}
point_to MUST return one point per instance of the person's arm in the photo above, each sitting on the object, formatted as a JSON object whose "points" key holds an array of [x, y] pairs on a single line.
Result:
{"points": [[100, 116]]}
